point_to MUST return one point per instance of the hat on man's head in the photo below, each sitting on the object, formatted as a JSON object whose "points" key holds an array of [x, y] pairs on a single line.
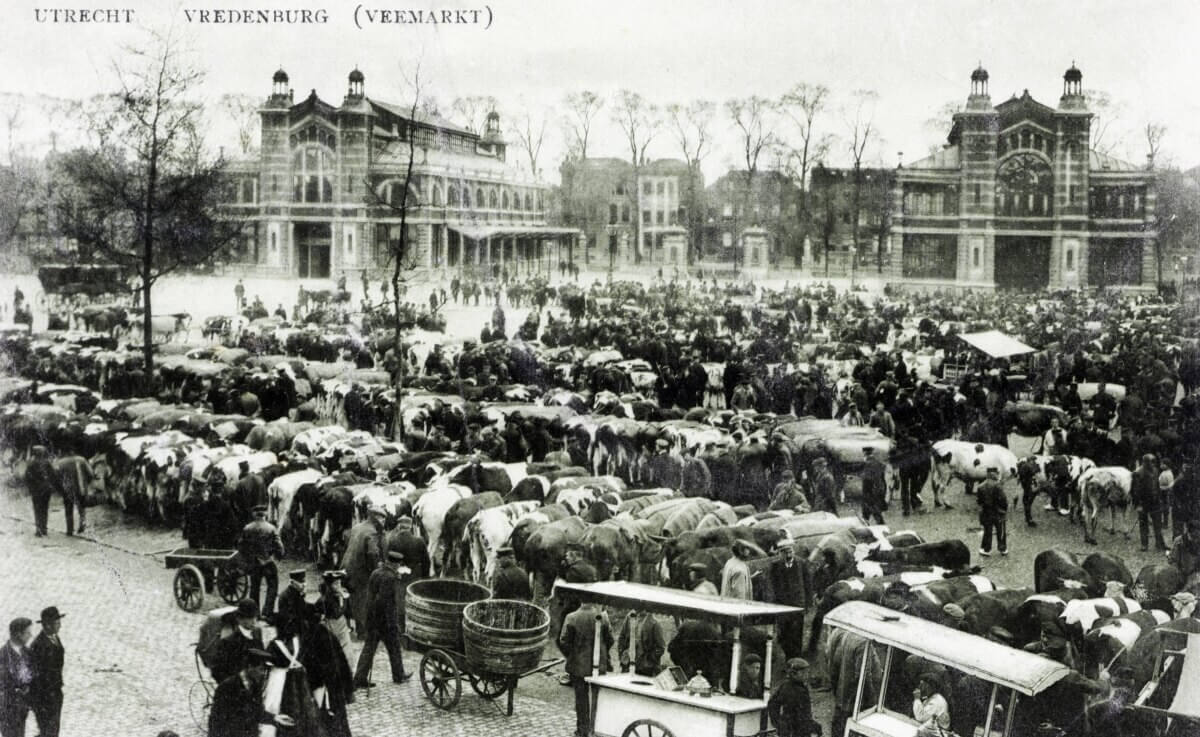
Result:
{"points": [[259, 509], [396, 556], [50, 614], [795, 664], [819, 462], [698, 568], [954, 611], [298, 575], [752, 659], [247, 608], [257, 656], [785, 543], [504, 550], [333, 575]]}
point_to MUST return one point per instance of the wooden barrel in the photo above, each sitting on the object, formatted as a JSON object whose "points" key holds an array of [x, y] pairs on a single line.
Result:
{"points": [[433, 610], [504, 636]]}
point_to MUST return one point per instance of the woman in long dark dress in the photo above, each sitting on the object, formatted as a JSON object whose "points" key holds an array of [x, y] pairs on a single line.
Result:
{"points": [[288, 690], [325, 659]]}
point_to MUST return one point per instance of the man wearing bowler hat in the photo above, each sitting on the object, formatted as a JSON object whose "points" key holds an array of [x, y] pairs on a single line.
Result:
{"points": [[293, 612], [45, 692], [260, 546]]}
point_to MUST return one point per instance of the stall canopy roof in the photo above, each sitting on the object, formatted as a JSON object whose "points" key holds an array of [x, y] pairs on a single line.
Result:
{"points": [[996, 344], [479, 232], [661, 600], [1011, 668]]}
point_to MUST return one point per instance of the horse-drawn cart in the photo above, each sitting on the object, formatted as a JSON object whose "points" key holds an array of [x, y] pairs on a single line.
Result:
{"points": [[629, 705], [199, 570], [463, 634]]}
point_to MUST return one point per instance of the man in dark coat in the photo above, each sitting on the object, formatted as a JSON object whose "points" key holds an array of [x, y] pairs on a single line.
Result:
{"points": [[649, 640], [75, 478], [790, 706], [232, 651], [251, 490], [46, 695], [260, 547], [993, 512], [510, 580], [576, 641], [364, 551], [416, 554], [695, 478], [221, 522], [42, 481], [874, 486], [790, 585], [1144, 494], [16, 678], [384, 619], [824, 486], [665, 470], [293, 612]]}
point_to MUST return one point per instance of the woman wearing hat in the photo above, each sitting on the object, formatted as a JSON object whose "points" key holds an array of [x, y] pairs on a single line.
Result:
{"points": [[333, 605]]}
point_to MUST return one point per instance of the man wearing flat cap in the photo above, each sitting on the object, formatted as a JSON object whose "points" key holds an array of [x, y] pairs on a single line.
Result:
{"points": [[385, 619], [45, 692], [259, 546], [790, 706], [510, 580]]}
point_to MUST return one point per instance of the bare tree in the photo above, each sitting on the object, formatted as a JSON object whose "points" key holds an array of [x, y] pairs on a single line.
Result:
{"points": [[1106, 135], [583, 107], [937, 124], [691, 125], [1155, 132], [860, 133], [243, 111], [639, 120], [400, 256], [530, 133], [802, 105], [473, 110], [750, 116], [147, 196], [18, 180]]}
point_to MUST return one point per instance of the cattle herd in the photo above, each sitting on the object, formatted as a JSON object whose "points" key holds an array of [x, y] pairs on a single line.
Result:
{"points": [[653, 425]]}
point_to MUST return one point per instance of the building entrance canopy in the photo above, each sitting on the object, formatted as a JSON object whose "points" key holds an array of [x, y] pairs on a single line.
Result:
{"points": [[996, 344], [483, 232]]}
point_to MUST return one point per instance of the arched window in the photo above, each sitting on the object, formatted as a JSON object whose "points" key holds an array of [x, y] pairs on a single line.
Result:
{"points": [[504, 199], [466, 197], [452, 196], [493, 200], [313, 169], [528, 201], [479, 200], [435, 195], [1024, 187]]}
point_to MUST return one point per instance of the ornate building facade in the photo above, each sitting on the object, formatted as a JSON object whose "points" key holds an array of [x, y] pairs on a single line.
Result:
{"points": [[1017, 199], [324, 194]]}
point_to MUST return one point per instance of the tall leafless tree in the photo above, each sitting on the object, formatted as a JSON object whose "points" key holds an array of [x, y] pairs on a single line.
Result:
{"points": [[1106, 134], [802, 105], [860, 134], [243, 111], [472, 110], [751, 116], [1155, 132], [147, 195], [640, 121], [583, 107], [18, 178], [529, 130], [692, 125]]}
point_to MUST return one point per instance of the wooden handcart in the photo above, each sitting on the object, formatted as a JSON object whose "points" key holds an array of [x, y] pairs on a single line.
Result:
{"points": [[463, 634], [200, 570]]}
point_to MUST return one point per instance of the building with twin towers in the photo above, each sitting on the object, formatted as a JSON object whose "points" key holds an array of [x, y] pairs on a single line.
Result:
{"points": [[1017, 199], [323, 193]]}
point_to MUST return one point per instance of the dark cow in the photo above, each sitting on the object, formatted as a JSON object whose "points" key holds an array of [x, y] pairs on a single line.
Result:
{"points": [[1043, 609], [990, 609], [951, 554], [529, 489], [701, 646], [531, 522], [1156, 581], [713, 537], [545, 548], [1032, 420], [454, 553], [1104, 567], [1058, 569]]}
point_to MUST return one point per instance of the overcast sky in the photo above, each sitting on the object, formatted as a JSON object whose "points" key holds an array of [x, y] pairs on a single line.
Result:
{"points": [[917, 56]]}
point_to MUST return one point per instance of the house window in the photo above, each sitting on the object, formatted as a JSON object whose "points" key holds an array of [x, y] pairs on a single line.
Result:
{"points": [[479, 201], [661, 188], [529, 202], [274, 243], [658, 217], [466, 197], [647, 188], [349, 244], [976, 193], [436, 191], [452, 196], [493, 199], [645, 217], [647, 242], [624, 213], [612, 214], [312, 172], [975, 257], [504, 199], [1070, 260], [621, 188], [727, 239]]}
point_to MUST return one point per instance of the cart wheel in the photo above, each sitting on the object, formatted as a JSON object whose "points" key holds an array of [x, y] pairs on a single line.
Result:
{"points": [[489, 687], [232, 584], [440, 680], [199, 702], [647, 728], [189, 588]]}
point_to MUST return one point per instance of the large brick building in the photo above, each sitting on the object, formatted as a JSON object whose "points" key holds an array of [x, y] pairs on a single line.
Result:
{"points": [[627, 222], [323, 193], [1018, 200], [772, 208]]}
